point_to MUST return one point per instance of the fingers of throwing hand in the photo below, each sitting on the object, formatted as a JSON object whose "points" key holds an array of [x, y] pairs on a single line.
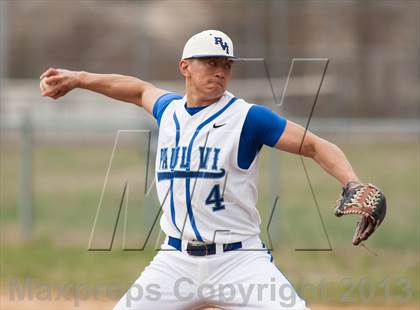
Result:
{"points": [[51, 91], [53, 80], [53, 85], [49, 72]]}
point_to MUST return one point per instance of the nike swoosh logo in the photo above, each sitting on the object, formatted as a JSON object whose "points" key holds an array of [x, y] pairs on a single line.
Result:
{"points": [[217, 126]]}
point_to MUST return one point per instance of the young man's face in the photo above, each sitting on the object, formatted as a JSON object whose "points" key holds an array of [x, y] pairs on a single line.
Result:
{"points": [[207, 76]]}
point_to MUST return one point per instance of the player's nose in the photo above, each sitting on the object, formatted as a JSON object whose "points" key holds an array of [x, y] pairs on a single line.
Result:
{"points": [[220, 73]]}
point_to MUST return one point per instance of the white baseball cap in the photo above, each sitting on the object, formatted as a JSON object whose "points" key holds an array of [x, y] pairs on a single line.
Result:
{"points": [[208, 43]]}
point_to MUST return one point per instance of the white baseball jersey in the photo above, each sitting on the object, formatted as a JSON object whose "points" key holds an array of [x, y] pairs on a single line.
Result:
{"points": [[204, 194], [208, 193]]}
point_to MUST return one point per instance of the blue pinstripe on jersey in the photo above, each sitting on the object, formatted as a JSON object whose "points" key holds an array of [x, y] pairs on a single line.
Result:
{"points": [[178, 130]]}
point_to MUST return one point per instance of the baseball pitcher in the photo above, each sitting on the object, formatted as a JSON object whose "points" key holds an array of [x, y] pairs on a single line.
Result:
{"points": [[206, 177]]}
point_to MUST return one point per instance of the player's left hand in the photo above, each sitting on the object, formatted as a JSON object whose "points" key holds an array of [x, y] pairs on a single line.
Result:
{"points": [[366, 200]]}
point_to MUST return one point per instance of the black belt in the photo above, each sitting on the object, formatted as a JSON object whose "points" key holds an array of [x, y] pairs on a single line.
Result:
{"points": [[202, 249]]}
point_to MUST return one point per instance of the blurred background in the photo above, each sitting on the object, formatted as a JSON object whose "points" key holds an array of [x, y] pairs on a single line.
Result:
{"points": [[62, 160]]}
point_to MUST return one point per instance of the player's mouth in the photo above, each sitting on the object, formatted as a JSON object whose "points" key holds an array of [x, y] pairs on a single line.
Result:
{"points": [[215, 82]]}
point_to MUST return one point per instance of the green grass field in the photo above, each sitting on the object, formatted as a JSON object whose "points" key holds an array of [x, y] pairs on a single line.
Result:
{"points": [[67, 184]]}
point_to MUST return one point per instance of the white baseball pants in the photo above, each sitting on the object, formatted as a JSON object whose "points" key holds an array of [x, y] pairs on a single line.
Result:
{"points": [[239, 279]]}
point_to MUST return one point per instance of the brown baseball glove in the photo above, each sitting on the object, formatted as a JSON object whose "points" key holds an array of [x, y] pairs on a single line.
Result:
{"points": [[366, 200]]}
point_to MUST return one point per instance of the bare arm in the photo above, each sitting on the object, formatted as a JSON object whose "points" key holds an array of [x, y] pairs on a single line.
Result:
{"points": [[326, 154], [120, 87]]}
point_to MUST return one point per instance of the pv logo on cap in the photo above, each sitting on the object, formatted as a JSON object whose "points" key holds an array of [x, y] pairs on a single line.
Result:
{"points": [[223, 45]]}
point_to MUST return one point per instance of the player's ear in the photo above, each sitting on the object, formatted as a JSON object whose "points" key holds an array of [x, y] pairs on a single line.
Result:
{"points": [[184, 68]]}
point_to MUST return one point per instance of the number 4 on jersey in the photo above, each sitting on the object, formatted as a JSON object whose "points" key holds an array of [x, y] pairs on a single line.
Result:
{"points": [[215, 198]]}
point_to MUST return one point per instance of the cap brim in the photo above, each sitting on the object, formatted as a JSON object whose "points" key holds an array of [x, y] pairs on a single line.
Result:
{"points": [[212, 56]]}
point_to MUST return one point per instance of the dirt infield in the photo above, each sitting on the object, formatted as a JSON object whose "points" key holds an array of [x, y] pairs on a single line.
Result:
{"points": [[7, 304]]}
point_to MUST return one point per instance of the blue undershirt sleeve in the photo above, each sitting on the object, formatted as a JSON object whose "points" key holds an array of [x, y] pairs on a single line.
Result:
{"points": [[261, 127], [162, 103]]}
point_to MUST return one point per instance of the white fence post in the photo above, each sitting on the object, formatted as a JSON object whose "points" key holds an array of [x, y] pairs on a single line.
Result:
{"points": [[25, 208]]}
